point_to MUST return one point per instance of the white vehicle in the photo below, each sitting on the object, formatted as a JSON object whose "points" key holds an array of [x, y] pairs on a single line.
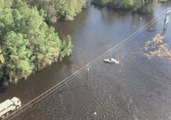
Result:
{"points": [[9, 106], [111, 60]]}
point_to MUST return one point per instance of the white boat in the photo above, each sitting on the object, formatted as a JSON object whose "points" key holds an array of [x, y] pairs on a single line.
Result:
{"points": [[111, 60]]}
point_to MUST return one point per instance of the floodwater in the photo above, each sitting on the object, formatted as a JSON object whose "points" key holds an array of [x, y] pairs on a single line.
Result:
{"points": [[137, 89]]}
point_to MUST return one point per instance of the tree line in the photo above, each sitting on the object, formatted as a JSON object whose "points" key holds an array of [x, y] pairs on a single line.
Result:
{"points": [[143, 6], [59, 9], [28, 44]]}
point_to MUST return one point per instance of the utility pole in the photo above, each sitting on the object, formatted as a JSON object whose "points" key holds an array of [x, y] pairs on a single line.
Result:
{"points": [[88, 69], [166, 19]]}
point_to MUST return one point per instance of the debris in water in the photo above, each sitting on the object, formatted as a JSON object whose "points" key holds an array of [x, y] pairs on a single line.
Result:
{"points": [[157, 48]]}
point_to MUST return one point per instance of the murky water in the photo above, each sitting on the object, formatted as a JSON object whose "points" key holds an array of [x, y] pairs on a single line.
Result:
{"points": [[137, 89]]}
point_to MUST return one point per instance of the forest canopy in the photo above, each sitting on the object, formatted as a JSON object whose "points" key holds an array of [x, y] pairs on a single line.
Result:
{"points": [[28, 44], [144, 6], [59, 9]]}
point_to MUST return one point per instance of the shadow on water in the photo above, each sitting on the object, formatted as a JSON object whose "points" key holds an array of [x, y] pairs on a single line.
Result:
{"points": [[3, 86], [3, 81], [2, 89], [65, 28]]}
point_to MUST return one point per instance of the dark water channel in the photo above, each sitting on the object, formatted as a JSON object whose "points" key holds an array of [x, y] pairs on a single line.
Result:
{"points": [[124, 92]]}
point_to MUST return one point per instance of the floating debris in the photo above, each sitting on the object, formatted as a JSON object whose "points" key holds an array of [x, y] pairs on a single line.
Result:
{"points": [[154, 44], [157, 48]]}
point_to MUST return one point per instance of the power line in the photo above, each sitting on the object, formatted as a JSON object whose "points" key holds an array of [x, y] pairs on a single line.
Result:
{"points": [[63, 82]]}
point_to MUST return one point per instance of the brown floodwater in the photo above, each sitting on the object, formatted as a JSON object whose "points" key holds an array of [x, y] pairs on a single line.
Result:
{"points": [[137, 89]]}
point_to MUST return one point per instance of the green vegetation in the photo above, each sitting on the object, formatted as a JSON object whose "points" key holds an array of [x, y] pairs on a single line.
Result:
{"points": [[145, 6], [163, 1], [58, 9], [27, 43]]}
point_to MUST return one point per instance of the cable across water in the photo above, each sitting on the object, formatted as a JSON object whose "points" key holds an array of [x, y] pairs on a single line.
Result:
{"points": [[95, 60]]}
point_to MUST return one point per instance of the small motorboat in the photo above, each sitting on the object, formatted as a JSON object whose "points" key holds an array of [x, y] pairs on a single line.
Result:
{"points": [[111, 60]]}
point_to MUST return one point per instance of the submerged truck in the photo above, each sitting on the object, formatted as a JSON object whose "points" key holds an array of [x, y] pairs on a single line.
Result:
{"points": [[9, 106]]}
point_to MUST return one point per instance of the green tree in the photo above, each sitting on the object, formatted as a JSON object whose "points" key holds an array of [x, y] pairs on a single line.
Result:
{"points": [[1, 63], [59, 9], [66, 48], [1, 57], [17, 54], [133, 5]]}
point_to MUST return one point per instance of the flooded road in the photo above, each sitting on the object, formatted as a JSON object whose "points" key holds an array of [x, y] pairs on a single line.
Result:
{"points": [[138, 89]]}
